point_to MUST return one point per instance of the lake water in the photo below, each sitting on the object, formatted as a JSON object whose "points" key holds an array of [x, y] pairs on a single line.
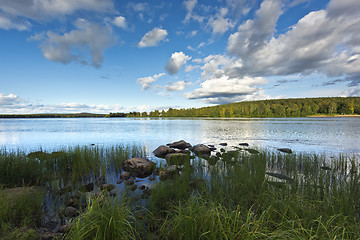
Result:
{"points": [[331, 135]]}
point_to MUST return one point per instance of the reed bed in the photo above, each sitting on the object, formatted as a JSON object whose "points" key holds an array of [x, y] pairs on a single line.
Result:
{"points": [[238, 195]]}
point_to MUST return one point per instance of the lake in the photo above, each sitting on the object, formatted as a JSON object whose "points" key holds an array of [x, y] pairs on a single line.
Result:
{"points": [[330, 135]]}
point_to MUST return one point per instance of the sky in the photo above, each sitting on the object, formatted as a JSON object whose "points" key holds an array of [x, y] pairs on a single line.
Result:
{"points": [[101, 56]]}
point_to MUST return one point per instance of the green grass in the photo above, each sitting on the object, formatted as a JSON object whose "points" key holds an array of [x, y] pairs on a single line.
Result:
{"points": [[238, 195]]}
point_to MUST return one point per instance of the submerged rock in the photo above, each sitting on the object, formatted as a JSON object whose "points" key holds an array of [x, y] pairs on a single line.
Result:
{"points": [[201, 149], [107, 187], [285, 150], [177, 158], [162, 151], [125, 175], [142, 167], [179, 145]]}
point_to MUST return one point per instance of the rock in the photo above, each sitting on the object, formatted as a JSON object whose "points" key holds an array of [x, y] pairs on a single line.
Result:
{"points": [[201, 149], [47, 236], [107, 187], [120, 181], [222, 150], [162, 175], [142, 187], [88, 187], [140, 166], [39, 155], [285, 150], [179, 145], [252, 151], [162, 151], [172, 170], [223, 144], [156, 171], [152, 178], [177, 158], [65, 228], [125, 175], [130, 181], [212, 148], [51, 225], [133, 187], [280, 176], [71, 212], [218, 154], [146, 193], [244, 144], [183, 151]]}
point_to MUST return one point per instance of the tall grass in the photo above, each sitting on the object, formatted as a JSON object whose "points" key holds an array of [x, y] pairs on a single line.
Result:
{"points": [[103, 219]]}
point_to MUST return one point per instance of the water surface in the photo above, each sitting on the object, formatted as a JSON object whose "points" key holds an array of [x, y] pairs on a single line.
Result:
{"points": [[332, 135]]}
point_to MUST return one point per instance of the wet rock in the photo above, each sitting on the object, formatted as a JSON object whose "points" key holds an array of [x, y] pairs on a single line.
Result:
{"points": [[142, 187], [280, 176], [182, 151], [89, 187], [162, 151], [252, 151], [177, 158], [223, 144], [146, 193], [120, 181], [65, 228], [244, 144], [201, 149], [133, 187], [47, 236], [140, 166], [152, 178], [218, 154], [179, 145], [51, 225], [285, 150], [107, 187], [212, 148], [125, 175], [71, 212], [222, 150], [130, 181]]}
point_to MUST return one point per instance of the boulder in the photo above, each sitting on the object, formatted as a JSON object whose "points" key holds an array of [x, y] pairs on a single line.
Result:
{"points": [[88, 187], [244, 144], [142, 167], [71, 212], [130, 181], [162, 151], [201, 149], [177, 158], [107, 187], [223, 144], [285, 150], [212, 148], [179, 145], [125, 175]]}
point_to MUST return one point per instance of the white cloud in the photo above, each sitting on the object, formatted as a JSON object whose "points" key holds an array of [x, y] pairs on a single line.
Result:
{"points": [[8, 99], [146, 82], [177, 86], [192, 34], [8, 23], [219, 24], [46, 9], [120, 22], [60, 48], [323, 42], [176, 61], [225, 89], [189, 5], [153, 37]]}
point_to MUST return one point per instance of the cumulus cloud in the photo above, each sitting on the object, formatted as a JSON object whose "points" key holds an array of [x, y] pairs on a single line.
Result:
{"points": [[225, 89], [11, 23], [177, 86], [8, 99], [87, 37], [120, 22], [219, 24], [146, 82], [45, 9], [324, 41], [176, 61], [153, 38]]}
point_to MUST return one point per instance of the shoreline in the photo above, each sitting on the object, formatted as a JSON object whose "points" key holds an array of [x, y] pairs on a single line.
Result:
{"points": [[331, 116]]}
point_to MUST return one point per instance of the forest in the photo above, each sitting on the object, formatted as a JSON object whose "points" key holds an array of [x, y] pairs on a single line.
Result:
{"points": [[294, 107]]}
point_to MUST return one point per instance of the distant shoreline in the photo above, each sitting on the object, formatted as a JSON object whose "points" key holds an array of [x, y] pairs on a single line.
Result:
{"points": [[337, 115]]}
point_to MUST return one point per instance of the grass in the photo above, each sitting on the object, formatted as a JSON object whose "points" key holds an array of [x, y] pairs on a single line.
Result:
{"points": [[235, 195]]}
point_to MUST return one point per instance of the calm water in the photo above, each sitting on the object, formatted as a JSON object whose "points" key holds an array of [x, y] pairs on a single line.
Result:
{"points": [[332, 135]]}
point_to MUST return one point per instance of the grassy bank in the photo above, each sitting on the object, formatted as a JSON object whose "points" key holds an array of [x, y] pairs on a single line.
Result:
{"points": [[231, 195]]}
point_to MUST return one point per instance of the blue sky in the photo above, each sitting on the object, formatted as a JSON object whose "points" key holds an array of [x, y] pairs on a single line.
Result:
{"points": [[118, 56]]}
